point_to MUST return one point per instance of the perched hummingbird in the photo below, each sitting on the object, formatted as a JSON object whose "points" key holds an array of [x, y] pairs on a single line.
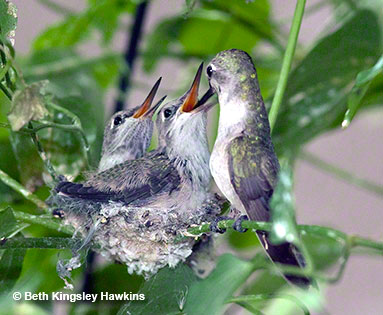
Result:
{"points": [[128, 133], [243, 162], [146, 202]]}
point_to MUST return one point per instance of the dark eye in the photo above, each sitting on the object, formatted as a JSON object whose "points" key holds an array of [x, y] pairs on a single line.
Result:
{"points": [[117, 120], [209, 71], [167, 113]]}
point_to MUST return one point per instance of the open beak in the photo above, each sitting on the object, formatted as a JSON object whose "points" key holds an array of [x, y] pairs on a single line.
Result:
{"points": [[191, 102], [144, 108], [191, 99], [209, 93], [154, 108]]}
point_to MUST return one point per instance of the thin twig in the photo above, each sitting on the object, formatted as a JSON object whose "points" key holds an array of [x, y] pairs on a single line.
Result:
{"points": [[47, 221], [68, 65], [4, 63], [6, 92], [44, 242], [42, 154], [260, 297], [58, 8], [287, 61], [9, 181], [341, 173], [130, 55]]}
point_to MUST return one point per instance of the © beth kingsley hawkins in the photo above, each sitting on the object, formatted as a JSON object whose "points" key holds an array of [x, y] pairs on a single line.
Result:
{"points": [[85, 297], [162, 173]]}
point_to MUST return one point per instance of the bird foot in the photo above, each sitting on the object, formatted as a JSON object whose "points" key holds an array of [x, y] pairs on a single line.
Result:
{"points": [[237, 226], [214, 224]]}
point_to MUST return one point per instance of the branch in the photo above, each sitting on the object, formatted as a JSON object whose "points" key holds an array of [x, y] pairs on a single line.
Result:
{"points": [[341, 173], [351, 242], [45, 242], [47, 163], [46, 221], [287, 61], [58, 8], [262, 297], [68, 65], [130, 55], [9, 181]]}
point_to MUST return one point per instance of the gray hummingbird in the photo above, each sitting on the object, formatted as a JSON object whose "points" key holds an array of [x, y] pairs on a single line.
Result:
{"points": [[128, 133], [146, 202], [243, 162]]}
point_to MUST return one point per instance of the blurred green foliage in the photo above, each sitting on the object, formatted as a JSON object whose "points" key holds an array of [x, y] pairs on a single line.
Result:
{"points": [[334, 77]]}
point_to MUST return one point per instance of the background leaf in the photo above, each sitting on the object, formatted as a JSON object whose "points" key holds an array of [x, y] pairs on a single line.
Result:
{"points": [[316, 93], [8, 19], [165, 292], [11, 263], [363, 81], [209, 295]]}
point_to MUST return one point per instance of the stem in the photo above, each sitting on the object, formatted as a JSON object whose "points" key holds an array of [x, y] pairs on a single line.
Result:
{"points": [[4, 62], [46, 221], [67, 65], [287, 61], [5, 90], [46, 243], [260, 297], [42, 154], [357, 241], [5, 69], [7, 180], [341, 173], [58, 8], [130, 55], [78, 127]]}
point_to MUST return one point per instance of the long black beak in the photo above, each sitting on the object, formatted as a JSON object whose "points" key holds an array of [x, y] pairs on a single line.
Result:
{"points": [[209, 93]]}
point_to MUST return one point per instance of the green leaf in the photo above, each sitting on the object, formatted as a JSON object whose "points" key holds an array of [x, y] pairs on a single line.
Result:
{"points": [[208, 31], [84, 98], [105, 17], [316, 94], [28, 104], [165, 292], [7, 222], [29, 163], [283, 213], [362, 83], [64, 34], [251, 15], [102, 15], [323, 251], [208, 296], [11, 263], [218, 25], [8, 20]]}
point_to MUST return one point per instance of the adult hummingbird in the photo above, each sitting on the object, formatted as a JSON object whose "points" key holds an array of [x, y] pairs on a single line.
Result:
{"points": [[128, 133], [243, 162], [149, 200]]}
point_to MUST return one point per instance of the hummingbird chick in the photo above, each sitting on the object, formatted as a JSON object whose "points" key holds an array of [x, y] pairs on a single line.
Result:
{"points": [[127, 136], [243, 162], [128, 133], [146, 204]]}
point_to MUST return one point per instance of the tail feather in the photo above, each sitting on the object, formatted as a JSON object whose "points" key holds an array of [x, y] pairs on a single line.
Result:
{"points": [[286, 254]]}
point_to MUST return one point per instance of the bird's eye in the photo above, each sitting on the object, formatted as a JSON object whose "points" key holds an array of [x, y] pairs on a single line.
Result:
{"points": [[117, 120], [167, 113], [209, 71]]}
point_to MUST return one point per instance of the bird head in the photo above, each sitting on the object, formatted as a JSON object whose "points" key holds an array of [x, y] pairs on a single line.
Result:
{"points": [[128, 133]]}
